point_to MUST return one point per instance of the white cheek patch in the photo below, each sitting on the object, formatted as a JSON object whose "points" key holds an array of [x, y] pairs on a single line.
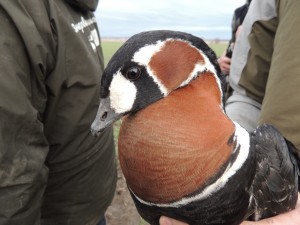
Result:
{"points": [[122, 93], [143, 57]]}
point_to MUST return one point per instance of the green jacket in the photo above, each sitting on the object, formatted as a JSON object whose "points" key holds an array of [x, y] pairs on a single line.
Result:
{"points": [[50, 68], [265, 66]]}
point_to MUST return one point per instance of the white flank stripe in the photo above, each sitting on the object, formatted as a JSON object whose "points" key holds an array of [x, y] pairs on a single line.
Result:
{"points": [[243, 140]]}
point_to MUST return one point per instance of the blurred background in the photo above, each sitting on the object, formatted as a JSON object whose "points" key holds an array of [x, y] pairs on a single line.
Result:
{"points": [[204, 18]]}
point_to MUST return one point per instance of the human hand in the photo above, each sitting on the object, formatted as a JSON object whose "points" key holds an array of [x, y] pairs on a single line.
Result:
{"points": [[168, 221], [224, 63], [238, 31], [289, 218]]}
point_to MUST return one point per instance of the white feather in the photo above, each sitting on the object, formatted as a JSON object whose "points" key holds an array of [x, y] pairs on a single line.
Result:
{"points": [[243, 140], [143, 57], [122, 93]]}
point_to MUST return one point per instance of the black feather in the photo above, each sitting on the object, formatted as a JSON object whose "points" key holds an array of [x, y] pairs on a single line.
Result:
{"points": [[275, 183]]}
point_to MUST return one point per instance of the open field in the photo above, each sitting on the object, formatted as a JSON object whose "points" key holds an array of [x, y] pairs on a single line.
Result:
{"points": [[109, 48], [122, 210]]}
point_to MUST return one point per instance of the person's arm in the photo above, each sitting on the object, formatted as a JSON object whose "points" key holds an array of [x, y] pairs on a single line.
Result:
{"points": [[23, 147], [289, 218]]}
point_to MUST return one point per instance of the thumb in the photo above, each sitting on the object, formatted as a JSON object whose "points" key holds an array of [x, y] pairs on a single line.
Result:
{"points": [[262, 222], [289, 218]]}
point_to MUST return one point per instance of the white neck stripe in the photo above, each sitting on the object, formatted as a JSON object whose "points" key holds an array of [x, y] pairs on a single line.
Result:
{"points": [[243, 141], [144, 54]]}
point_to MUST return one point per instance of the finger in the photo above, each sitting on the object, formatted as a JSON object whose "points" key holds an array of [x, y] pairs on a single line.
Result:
{"points": [[262, 222], [168, 221], [289, 218]]}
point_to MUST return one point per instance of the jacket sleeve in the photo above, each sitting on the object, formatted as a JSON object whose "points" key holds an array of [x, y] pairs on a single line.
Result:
{"points": [[281, 103], [250, 64], [23, 147]]}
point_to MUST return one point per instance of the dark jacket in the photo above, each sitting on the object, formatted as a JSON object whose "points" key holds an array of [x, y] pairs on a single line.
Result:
{"points": [[50, 67], [237, 20], [265, 68]]}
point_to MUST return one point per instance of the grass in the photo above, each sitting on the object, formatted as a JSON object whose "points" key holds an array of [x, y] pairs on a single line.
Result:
{"points": [[110, 47], [218, 47]]}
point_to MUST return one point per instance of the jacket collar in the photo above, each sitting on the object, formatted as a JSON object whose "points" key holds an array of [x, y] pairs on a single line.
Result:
{"points": [[84, 5]]}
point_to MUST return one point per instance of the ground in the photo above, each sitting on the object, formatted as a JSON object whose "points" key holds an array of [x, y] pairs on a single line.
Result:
{"points": [[122, 210]]}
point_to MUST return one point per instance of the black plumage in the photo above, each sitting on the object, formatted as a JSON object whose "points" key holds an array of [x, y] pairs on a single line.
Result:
{"points": [[251, 176], [276, 177]]}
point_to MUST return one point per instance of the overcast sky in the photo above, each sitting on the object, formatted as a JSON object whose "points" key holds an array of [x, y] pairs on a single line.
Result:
{"points": [[205, 18]]}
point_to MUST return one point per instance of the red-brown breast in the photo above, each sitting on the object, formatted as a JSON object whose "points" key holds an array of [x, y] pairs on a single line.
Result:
{"points": [[170, 148]]}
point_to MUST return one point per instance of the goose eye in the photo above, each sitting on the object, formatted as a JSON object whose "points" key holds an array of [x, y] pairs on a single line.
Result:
{"points": [[133, 73]]}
